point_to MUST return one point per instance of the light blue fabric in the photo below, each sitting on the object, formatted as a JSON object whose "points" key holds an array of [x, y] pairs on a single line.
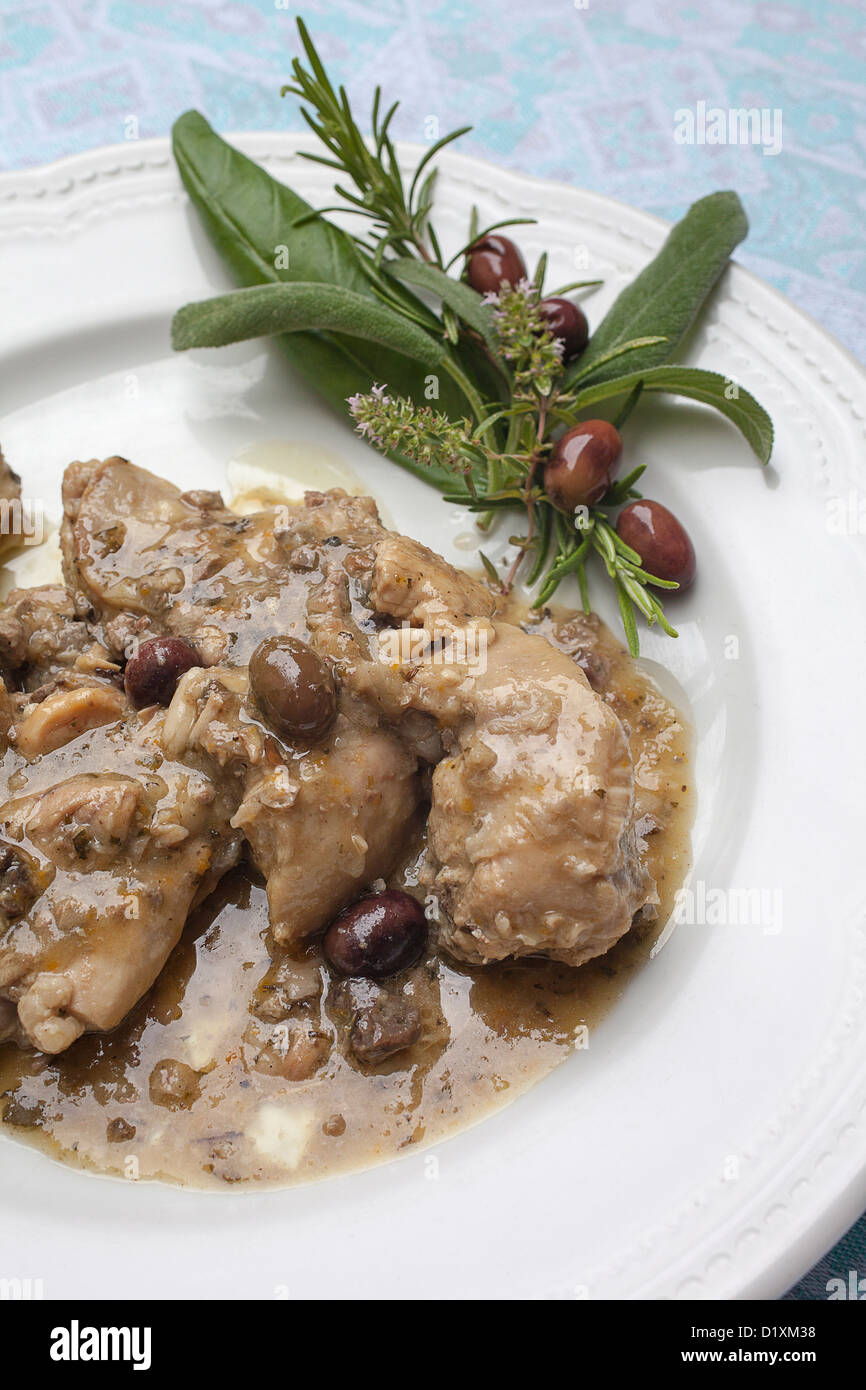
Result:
{"points": [[586, 92]]}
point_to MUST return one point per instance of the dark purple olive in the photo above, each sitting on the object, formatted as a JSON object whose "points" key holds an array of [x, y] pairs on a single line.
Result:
{"points": [[293, 688], [152, 675], [660, 540], [494, 261], [567, 323], [581, 465], [377, 936]]}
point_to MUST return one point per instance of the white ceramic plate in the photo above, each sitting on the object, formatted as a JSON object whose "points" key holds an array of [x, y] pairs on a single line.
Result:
{"points": [[712, 1140]]}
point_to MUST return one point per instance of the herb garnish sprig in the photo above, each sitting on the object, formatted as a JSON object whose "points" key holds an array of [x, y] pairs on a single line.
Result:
{"points": [[469, 392], [399, 215], [535, 357]]}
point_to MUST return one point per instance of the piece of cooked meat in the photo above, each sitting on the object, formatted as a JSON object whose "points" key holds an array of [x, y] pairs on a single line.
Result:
{"points": [[60, 681], [532, 840], [134, 545], [354, 654], [150, 558], [532, 817], [531, 830], [323, 828], [412, 583], [98, 872], [321, 824], [43, 639], [98, 869]]}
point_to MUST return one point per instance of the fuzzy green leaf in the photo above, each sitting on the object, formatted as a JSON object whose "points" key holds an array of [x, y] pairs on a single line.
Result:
{"points": [[466, 304], [750, 418], [249, 216], [263, 311], [665, 298]]}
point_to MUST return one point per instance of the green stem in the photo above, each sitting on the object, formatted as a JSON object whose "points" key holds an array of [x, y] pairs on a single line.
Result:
{"points": [[479, 411], [494, 469], [457, 374]]}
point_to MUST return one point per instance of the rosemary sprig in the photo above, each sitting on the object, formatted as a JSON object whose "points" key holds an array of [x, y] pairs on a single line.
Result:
{"points": [[399, 214], [348, 311], [492, 480]]}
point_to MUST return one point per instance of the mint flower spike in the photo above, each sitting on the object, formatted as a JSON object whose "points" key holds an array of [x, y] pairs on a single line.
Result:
{"points": [[524, 340], [419, 433]]}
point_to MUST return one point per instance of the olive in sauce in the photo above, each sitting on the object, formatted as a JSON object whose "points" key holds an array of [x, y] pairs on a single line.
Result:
{"points": [[377, 936], [152, 675], [293, 688]]}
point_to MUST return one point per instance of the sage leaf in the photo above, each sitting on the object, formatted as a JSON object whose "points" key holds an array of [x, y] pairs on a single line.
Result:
{"points": [[466, 304], [250, 216], [255, 223], [731, 400], [665, 298], [265, 310], [635, 345]]}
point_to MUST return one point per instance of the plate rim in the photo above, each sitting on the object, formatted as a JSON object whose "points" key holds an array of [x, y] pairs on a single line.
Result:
{"points": [[45, 181]]}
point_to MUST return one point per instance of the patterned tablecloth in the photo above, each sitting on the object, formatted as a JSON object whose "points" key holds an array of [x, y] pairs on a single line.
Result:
{"points": [[613, 95]]}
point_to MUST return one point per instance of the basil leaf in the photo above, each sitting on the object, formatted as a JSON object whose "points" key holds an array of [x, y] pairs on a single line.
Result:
{"points": [[461, 298], [666, 296], [262, 311], [750, 418]]}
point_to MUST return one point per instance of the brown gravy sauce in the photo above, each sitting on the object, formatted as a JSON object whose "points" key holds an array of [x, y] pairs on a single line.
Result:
{"points": [[490, 1032]]}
